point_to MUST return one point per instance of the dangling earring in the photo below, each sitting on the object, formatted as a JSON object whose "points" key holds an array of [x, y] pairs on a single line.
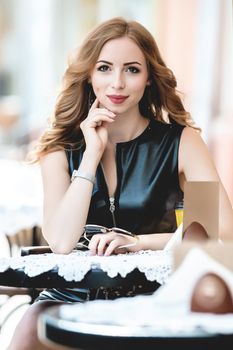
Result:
{"points": [[148, 97], [91, 97]]}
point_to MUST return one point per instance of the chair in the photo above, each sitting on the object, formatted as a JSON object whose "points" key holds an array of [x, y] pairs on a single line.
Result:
{"points": [[18, 244], [24, 238], [35, 250]]}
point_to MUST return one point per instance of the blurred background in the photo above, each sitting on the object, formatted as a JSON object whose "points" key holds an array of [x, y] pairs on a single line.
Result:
{"points": [[194, 36]]}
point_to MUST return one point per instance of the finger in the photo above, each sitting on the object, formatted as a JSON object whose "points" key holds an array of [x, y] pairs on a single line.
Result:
{"points": [[101, 246], [111, 247], [104, 111], [104, 242], [97, 121], [120, 251], [95, 104], [92, 246]]}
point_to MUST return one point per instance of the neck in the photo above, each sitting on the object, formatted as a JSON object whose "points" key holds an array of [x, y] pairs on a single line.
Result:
{"points": [[126, 128]]}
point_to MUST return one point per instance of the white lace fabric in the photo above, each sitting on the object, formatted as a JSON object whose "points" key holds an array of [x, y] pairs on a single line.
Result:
{"points": [[167, 312], [156, 265]]}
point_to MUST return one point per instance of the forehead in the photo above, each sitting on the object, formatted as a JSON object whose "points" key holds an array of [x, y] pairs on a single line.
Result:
{"points": [[123, 49]]}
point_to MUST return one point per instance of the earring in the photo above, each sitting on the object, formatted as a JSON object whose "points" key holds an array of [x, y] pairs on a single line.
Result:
{"points": [[91, 98], [148, 96]]}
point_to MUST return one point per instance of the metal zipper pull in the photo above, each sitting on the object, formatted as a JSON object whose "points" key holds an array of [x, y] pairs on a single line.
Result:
{"points": [[112, 206], [112, 209]]}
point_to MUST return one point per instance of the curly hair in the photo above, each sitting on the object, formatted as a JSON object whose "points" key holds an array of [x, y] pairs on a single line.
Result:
{"points": [[160, 99]]}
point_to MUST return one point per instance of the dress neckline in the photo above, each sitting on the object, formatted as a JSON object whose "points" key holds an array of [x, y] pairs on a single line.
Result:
{"points": [[148, 127]]}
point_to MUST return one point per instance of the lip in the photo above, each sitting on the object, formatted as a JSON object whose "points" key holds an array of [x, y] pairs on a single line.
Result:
{"points": [[117, 99]]}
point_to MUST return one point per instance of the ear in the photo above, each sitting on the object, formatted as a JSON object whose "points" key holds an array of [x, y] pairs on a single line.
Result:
{"points": [[148, 82]]}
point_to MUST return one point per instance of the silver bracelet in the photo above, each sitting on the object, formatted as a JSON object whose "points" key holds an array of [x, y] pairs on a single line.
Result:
{"points": [[83, 175]]}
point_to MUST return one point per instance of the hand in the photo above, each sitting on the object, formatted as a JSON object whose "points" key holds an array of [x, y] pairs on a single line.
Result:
{"points": [[94, 128], [110, 243]]}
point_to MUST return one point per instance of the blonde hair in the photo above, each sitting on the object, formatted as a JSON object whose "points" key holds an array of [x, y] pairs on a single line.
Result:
{"points": [[73, 102]]}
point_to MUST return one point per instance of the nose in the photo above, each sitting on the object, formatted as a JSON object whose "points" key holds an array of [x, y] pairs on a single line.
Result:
{"points": [[118, 81]]}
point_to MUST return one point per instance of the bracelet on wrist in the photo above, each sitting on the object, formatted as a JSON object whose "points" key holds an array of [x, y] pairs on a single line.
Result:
{"points": [[130, 244], [83, 175]]}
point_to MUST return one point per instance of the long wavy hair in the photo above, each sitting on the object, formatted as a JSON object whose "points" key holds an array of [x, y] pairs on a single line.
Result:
{"points": [[160, 100]]}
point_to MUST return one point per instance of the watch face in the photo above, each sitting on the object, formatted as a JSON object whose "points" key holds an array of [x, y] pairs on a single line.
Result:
{"points": [[83, 175]]}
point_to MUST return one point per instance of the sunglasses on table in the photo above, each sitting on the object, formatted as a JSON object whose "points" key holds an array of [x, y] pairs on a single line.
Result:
{"points": [[91, 229]]}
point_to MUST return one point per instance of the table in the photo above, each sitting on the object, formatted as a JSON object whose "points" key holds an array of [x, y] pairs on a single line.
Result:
{"points": [[79, 269], [95, 278], [53, 328], [163, 320]]}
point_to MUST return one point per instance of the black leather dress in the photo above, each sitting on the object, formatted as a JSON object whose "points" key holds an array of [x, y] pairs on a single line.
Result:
{"points": [[147, 187]]}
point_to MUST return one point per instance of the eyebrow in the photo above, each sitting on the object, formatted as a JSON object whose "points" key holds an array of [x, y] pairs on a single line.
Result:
{"points": [[125, 64]]}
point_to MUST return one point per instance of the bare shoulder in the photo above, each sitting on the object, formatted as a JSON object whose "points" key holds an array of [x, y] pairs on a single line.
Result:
{"points": [[191, 137], [54, 159], [195, 159], [192, 144], [54, 168]]}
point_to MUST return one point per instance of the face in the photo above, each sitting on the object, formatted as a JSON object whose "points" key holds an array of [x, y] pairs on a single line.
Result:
{"points": [[120, 75]]}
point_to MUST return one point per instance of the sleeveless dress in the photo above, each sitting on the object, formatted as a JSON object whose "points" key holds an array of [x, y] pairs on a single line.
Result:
{"points": [[145, 197]]}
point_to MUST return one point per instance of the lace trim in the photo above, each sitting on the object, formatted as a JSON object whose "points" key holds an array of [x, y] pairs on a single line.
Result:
{"points": [[156, 265], [165, 313]]}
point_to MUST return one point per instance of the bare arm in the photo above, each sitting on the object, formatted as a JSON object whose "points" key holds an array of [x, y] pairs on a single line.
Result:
{"points": [[195, 164], [66, 204]]}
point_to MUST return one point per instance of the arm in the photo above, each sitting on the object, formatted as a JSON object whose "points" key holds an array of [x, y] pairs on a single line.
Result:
{"points": [[195, 164], [66, 204], [108, 243]]}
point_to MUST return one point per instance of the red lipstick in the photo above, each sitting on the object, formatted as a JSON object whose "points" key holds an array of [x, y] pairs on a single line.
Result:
{"points": [[117, 99]]}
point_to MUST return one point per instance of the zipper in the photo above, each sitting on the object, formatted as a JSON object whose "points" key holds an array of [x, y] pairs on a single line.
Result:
{"points": [[112, 206], [112, 209]]}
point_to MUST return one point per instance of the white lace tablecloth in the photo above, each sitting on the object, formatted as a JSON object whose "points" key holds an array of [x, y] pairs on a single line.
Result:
{"points": [[165, 313], [156, 265]]}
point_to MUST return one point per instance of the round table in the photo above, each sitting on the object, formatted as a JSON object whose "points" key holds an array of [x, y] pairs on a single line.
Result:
{"points": [[95, 278], [81, 270], [52, 328]]}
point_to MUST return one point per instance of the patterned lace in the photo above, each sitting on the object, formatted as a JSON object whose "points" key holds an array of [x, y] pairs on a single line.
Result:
{"points": [[156, 265]]}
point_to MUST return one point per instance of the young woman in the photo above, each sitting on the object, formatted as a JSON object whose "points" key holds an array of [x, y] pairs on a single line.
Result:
{"points": [[121, 132]]}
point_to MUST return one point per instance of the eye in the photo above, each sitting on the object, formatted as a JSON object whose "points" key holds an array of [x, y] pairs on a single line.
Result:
{"points": [[133, 70], [103, 68]]}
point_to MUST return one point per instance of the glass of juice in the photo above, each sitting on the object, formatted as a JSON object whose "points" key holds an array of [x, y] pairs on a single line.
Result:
{"points": [[179, 211]]}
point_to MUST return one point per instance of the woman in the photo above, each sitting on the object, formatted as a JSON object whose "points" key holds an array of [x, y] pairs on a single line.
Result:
{"points": [[120, 124]]}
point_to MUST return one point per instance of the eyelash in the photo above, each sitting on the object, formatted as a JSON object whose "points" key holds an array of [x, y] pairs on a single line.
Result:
{"points": [[131, 69], [102, 68]]}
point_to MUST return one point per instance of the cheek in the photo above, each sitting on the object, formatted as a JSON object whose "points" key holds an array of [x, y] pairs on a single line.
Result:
{"points": [[98, 86], [138, 85], [139, 90], [98, 92]]}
